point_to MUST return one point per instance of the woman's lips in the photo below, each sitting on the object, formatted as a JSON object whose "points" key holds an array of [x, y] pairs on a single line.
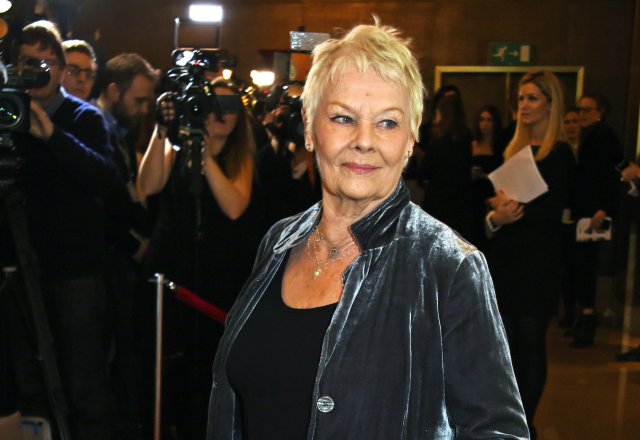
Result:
{"points": [[360, 168]]}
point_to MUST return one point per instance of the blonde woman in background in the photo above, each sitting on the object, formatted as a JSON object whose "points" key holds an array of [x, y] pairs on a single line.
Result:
{"points": [[526, 253]]}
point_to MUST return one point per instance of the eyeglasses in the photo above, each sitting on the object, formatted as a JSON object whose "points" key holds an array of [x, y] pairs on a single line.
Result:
{"points": [[76, 71], [35, 62], [585, 109]]}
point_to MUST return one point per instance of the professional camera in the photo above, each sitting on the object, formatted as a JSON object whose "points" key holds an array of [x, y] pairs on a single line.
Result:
{"points": [[14, 112], [194, 97], [288, 125], [14, 100]]}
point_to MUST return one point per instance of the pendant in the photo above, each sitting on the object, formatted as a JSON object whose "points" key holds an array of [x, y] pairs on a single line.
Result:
{"points": [[316, 273], [333, 253]]}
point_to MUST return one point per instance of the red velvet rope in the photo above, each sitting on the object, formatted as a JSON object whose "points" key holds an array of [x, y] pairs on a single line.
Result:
{"points": [[198, 303]]}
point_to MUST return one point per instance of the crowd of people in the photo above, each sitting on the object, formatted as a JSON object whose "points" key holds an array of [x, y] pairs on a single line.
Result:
{"points": [[353, 316]]}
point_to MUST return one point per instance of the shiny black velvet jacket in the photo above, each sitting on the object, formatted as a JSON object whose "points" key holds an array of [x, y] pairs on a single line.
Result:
{"points": [[415, 348]]}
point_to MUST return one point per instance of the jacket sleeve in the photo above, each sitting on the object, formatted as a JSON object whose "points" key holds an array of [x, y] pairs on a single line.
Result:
{"points": [[608, 152], [86, 155], [482, 396]]}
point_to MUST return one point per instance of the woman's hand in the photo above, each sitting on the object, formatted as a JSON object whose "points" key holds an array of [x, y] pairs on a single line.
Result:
{"points": [[630, 173], [505, 210], [499, 199], [597, 219], [166, 112]]}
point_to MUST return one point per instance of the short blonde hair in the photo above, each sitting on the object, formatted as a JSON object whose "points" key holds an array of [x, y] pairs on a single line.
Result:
{"points": [[367, 48], [550, 87]]}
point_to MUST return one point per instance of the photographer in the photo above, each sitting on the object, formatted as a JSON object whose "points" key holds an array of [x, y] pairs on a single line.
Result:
{"points": [[67, 170], [287, 171], [205, 242]]}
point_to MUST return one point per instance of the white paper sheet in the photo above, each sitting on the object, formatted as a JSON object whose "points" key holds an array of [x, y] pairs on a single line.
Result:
{"points": [[519, 177], [585, 233]]}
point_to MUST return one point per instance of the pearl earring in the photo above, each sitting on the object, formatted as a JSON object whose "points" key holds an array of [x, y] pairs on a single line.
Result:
{"points": [[308, 147]]}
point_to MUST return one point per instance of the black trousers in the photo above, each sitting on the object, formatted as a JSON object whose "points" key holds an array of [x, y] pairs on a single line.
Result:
{"points": [[586, 275], [527, 336], [76, 310], [126, 362]]}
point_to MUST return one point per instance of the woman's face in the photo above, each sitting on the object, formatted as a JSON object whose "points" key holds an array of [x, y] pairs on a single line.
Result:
{"points": [[362, 137], [485, 123], [533, 106], [218, 131], [589, 113]]}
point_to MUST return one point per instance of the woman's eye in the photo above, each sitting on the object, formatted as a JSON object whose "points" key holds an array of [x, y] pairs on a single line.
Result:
{"points": [[342, 119], [388, 123]]}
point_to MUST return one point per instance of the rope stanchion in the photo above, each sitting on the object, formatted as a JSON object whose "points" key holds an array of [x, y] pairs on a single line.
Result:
{"points": [[159, 280], [193, 300]]}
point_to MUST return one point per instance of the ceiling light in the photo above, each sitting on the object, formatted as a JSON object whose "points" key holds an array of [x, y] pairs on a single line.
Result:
{"points": [[205, 13]]}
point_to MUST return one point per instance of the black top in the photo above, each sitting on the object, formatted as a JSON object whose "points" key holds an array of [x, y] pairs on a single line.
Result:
{"points": [[273, 364], [447, 169], [481, 189], [197, 245], [526, 256]]}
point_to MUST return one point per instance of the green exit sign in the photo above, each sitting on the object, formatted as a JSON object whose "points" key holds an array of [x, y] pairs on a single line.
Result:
{"points": [[510, 54]]}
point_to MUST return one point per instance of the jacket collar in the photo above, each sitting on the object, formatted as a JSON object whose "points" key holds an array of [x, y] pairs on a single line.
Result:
{"points": [[373, 230]]}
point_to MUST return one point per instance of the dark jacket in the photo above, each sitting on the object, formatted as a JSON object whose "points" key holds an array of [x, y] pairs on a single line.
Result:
{"points": [[127, 220], [596, 178], [415, 348], [64, 179]]}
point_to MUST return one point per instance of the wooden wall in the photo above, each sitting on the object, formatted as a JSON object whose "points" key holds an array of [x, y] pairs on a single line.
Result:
{"points": [[601, 35], [595, 33]]}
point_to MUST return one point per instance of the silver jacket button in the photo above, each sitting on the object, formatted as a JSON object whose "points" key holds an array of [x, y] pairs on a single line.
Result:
{"points": [[325, 404]]}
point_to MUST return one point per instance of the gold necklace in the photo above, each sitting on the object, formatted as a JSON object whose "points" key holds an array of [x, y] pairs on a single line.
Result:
{"points": [[337, 251]]}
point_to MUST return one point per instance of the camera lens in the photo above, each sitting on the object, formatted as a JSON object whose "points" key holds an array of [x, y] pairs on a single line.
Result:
{"points": [[197, 108], [11, 111]]}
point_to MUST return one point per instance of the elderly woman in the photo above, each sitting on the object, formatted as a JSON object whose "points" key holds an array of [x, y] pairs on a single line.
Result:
{"points": [[364, 317]]}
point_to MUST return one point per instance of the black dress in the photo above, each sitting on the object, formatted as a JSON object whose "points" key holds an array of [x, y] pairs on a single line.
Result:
{"points": [[446, 168], [526, 267], [526, 256], [212, 256], [481, 189]]}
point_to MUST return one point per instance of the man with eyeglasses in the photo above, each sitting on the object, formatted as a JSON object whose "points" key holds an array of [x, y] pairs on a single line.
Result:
{"points": [[67, 170], [81, 68]]}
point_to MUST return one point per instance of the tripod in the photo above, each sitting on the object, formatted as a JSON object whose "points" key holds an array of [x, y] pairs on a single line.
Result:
{"points": [[28, 295]]}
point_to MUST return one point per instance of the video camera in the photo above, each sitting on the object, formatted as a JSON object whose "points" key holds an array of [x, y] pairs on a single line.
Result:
{"points": [[288, 126], [14, 112], [14, 99], [194, 98]]}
